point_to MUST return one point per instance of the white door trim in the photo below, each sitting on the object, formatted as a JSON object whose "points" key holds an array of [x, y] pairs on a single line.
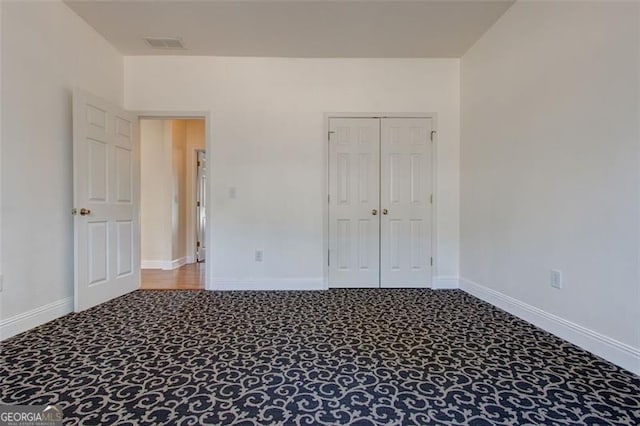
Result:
{"points": [[194, 115], [325, 183]]}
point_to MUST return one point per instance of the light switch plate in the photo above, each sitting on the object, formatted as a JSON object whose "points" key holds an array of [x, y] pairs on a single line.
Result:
{"points": [[556, 278]]}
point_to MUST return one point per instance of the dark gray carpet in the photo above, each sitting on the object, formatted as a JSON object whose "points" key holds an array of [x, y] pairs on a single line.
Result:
{"points": [[336, 357]]}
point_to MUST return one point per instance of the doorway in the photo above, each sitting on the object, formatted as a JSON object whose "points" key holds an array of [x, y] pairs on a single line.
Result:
{"points": [[107, 198], [380, 180], [172, 203]]}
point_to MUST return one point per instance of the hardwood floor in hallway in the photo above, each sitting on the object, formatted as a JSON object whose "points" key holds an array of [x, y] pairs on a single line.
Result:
{"points": [[187, 277]]}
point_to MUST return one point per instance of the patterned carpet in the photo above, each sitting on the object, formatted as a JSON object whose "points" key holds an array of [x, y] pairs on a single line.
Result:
{"points": [[337, 357]]}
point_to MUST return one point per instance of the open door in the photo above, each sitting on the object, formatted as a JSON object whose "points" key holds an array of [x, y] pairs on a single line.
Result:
{"points": [[201, 207], [106, 199]]}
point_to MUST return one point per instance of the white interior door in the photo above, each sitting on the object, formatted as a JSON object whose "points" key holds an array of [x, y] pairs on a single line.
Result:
{"points": [[406, 202], [354, 198], [201, 206], [106, 184]]}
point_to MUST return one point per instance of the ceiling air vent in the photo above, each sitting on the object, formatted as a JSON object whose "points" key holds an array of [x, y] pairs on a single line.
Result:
{"points": [[164, 43]]}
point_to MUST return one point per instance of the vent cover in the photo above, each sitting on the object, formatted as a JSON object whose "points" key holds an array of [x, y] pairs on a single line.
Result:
{"points": [[164, 43]]}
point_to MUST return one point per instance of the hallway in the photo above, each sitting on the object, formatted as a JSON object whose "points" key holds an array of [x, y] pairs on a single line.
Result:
{"points": [[187, 277]]}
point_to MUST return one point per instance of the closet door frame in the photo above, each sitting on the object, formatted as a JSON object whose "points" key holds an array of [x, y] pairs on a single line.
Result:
{"points": [[325, 183]]}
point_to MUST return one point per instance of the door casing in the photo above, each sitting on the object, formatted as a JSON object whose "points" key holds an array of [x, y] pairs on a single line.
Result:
{"points": [[325, 183]]}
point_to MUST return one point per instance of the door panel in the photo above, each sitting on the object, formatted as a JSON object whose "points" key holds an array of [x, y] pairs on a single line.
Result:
{"points": [[354, 231], [124, 184], [97, 170], [97, 245], [405, 193], [106, 185], [125, 247]]}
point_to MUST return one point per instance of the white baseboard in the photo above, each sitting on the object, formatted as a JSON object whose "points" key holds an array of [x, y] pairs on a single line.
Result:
{"points": [[439, 283], [223, 284], [167, 265], [446, 283], [154, 264], [616, 352], [27, 320], [175, 264]]}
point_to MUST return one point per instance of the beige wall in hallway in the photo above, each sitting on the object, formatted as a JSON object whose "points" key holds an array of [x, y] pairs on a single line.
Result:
{"points": [[155, 144], [179, 189]]}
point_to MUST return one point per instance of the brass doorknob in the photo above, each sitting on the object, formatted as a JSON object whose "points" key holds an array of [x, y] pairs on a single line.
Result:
{"points": [[374, 212], [84, 212], [385, 211]]}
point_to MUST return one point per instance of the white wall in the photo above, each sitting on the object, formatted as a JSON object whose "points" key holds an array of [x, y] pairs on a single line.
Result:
{"points": [[268, 143], [1, 132], [550, 168], [46, 51]]}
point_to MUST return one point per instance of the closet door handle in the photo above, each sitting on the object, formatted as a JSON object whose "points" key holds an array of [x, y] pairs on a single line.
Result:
{"points": [[385, 211], [374, 212]]}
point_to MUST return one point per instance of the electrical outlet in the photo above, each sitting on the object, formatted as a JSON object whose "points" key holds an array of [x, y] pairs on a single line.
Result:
{"points": [[556, 278], [259, 255]]}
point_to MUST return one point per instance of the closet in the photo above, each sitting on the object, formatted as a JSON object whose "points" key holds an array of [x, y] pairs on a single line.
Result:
{"points": [[380, 202]]}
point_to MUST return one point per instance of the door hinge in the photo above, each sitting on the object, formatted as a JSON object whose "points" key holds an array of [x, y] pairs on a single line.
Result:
{"points": [[74, 211], [329, 134], [197, 203], [431, 260], [198, 244], [198, 163], [432, 133]]}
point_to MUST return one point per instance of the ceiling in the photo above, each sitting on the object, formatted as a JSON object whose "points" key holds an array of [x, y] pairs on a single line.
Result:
{"points": [[295, 28]]}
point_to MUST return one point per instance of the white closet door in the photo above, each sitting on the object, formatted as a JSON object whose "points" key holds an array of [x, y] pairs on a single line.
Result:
{"points": [[354, 227], [405, 192]]}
